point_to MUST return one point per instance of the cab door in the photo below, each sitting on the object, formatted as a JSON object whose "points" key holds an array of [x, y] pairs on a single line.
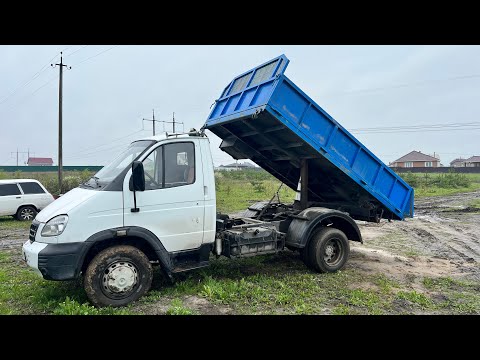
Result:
{"points": [[172, 205]]}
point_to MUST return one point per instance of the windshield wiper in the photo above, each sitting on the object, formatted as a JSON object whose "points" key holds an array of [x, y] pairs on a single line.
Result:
{"points": [[86, 183]]}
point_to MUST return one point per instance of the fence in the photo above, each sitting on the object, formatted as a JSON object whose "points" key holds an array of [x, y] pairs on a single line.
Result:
{"points": [[444, 169]]}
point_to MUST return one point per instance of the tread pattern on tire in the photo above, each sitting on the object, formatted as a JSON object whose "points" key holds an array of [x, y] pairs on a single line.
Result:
{"points": [[318, 238], [94, 272]]}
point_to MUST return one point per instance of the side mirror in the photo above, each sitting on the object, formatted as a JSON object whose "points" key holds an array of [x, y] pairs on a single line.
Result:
{"points": [[137, 181]]}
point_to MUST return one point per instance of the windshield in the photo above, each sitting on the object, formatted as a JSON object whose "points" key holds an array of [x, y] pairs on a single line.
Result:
{"points": [[115, 167]]}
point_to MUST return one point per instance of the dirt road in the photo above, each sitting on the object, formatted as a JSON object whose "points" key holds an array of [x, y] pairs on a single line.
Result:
{"points": [[443, 239]]}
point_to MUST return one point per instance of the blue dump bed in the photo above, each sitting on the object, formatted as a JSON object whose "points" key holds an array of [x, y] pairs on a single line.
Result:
{"points": [[263, 116]]}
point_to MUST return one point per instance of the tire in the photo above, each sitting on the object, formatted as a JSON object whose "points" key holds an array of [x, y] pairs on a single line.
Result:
{"points": [[327, 250], [26, 213], [132, 276]]}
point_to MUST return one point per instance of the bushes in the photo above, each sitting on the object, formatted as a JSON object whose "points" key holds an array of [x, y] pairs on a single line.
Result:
{"points": [[246, 174], [71, 179]]}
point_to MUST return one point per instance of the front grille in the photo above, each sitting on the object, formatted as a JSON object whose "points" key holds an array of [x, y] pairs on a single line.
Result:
{"points": [[33, 230]]}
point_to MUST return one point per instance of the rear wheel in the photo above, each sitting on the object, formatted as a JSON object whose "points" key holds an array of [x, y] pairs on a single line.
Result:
{"points": [[26, 213], [327, 251], [118, 276]]}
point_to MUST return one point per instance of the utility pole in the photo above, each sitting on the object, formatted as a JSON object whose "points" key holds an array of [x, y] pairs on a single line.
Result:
{"points": [[176, 122], [165, 122], [60, 98], [153, 121], [19, 152]]}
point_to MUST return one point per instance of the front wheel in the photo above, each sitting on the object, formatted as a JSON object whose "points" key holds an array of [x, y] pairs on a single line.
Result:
{"points": [[327, 250], [118, 276]]}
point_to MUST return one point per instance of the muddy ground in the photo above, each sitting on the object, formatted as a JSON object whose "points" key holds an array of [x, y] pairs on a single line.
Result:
{"points": [[442, 240]]}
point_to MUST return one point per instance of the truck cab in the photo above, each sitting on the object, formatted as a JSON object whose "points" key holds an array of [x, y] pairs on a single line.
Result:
{"points": [[168, 222]]}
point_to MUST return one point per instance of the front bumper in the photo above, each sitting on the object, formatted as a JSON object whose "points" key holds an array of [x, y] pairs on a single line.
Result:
{"points": [[30, 251], [54, 261]]}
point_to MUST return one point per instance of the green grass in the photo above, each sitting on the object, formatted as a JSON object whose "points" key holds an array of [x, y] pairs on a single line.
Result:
{"points": [[438, 184], [442, 283], [436, 191], [415, 298], [73, 307], [475, 204], [23, 292], [459, 296], [237, 190], [385, 284], [8, 222], [270, 284], [177, 308], [258, 285], [280, 284]]}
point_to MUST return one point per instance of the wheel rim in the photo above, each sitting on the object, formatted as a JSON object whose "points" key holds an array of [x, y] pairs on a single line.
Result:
{"points": [[119, 279], [26, 214], [332, 253]]}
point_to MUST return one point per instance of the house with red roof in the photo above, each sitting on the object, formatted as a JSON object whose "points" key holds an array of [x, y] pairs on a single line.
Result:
{"points": [[36, 161], [416, 159]]}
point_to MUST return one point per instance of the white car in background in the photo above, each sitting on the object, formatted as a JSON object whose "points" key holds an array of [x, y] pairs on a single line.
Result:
{"points": [[23, 198]]}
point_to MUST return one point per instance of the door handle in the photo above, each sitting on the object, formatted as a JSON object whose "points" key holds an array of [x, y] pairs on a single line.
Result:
{"points": [[205, 191], [18, 197]]}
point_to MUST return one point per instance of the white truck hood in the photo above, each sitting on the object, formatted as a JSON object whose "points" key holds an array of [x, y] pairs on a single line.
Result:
{"points": [[65, 203]]}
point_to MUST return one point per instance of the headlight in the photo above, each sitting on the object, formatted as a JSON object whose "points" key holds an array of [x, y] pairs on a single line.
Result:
{"points": [[55, 226]]}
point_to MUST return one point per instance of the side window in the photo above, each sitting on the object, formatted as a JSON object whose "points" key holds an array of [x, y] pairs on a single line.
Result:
{"points": [[31, 188], [153, 168], [169, 166], [9, 189], [179, 164]]}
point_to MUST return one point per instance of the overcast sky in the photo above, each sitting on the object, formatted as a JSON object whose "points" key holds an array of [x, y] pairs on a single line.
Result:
{"points": [[111, 88]]}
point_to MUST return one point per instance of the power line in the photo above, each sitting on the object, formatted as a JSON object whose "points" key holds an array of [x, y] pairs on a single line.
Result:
{"points": [[476, 123], [399, 86], [418, 128], [26, 83], [31, 94], [94, 56], [166, 122], [20, 152], [83, 47], [88, 149], [91, 153], [96, 153], [411, 131]]}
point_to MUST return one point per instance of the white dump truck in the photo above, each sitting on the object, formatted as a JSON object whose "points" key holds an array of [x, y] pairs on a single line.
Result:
{"points": [[155, 203]]}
